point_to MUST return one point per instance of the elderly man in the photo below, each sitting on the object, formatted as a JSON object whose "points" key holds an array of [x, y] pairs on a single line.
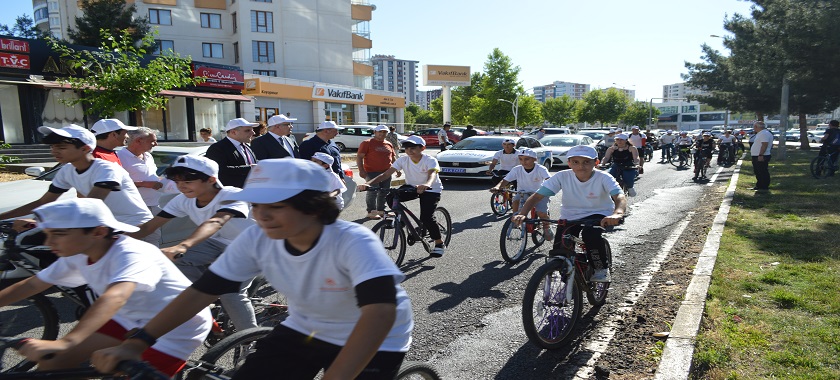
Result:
{"points": [[233, 154], [760, 145], [278, 142], [110, 134], [141, 167], [321, 142], [374, 157]]}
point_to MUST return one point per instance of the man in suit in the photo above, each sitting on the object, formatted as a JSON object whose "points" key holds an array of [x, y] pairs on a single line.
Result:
{"points": [[233, 154], [278, 142], [325, 132]]}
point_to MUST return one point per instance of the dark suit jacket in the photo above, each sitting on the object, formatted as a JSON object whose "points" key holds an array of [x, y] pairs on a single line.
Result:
{"points": [[233, 168], [266, 146]]}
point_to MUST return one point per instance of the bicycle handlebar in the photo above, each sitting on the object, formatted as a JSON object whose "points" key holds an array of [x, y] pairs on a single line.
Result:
{"points": [[585, 222]]}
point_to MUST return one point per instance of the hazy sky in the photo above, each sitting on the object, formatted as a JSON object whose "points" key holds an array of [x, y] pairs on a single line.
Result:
{"points": [[640, 45]]}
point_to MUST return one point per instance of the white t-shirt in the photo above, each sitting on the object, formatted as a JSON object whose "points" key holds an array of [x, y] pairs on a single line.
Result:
{"points": [[525, 181], [181, 206], [417, 173], [126, 204], [142, 169], [727, 140], [761, 137], [338, 184], [581, 199], [667, 139], [636, 139], [319, 284], [683, 141], [158, 282], [506, 161], [442, 136]]}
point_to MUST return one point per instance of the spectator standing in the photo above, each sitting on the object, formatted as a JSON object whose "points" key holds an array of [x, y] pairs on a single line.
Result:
{"points": [[443, 136], [469, 132], [540, 133], [374, 157], [233, 154], [277, 143], [110, 133], [206, 135], [322, 142], [394, 139], [760, 146]]}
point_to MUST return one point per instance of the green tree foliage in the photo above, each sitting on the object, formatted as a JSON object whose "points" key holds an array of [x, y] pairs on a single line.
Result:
{"points": [[434, 115], [411, 111], [638, 113], [560, 111], [115, 16], [117, 80], [24, 27], [530, 111], [602, 106], [461, 97], [500, 81]]}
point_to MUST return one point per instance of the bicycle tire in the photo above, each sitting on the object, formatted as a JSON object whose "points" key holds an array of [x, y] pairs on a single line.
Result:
{"points": [[444, 222], [537, 235], [596, 294], [549, 319], [387, 233], [498, 204], [818, 167], [24, 318], [513, 241], [675, 160], [411, 370], [231, 352], [648, 153]]}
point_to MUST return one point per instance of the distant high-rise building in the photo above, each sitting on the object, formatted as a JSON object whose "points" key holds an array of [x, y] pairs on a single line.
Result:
{"points": [[631, 94], [395, 75], [558, 89], [432, 95], [679, 91]]}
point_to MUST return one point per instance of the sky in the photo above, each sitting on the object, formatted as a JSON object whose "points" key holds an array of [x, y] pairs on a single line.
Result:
{"points": [[638, 45]]}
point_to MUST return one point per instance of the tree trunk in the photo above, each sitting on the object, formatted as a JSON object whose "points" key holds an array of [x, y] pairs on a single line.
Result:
{"points": [[803, 133]]}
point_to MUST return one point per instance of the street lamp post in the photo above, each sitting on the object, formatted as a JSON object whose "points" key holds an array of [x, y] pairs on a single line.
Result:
{"points": [[514, 106]]}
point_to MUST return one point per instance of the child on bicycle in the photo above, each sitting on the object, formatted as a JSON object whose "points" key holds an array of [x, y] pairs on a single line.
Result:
{"points": [[347, 312], [705, 148], [326, 161], [132, 280], [203, 201], [586, 193], [831, 144], [506, 159], [726, 143], [529, 176], [625, 158], [421, 170]]}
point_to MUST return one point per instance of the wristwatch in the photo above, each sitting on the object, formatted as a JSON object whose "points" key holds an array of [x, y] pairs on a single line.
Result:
{"points": [[140, 333]]}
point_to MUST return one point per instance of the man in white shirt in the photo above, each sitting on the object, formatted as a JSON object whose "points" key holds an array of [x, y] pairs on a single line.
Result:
{"points": [[760, 145], [443, 137]]}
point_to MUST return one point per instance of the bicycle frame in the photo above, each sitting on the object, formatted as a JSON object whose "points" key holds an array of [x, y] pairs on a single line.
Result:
{"points": [[403, 219]]}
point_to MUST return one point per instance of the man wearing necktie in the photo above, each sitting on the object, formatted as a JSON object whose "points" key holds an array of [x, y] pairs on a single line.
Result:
{"points": [[233, 154], [278, 142]]}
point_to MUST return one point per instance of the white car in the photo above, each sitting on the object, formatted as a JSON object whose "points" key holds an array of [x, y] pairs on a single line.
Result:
{"points": [[352, 136], [559, 145], [470, 158]]}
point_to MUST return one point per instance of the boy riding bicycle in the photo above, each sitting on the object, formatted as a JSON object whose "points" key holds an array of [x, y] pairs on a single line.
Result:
{"points": [[506, 158], [586, 192], [705, 148], [529, 176]]}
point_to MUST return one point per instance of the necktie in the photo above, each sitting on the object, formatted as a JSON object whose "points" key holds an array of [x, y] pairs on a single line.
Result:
{"points": [[287, 146], [247, 155]]}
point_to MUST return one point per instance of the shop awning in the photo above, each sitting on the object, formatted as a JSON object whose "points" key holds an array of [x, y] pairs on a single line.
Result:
{"points": [[186, 94]]}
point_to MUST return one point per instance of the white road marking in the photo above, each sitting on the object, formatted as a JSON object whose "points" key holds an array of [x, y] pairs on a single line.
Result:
{"points": [[714, 177]]}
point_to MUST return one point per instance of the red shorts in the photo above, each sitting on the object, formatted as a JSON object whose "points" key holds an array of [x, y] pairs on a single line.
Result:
{"points": [[165, 363]]}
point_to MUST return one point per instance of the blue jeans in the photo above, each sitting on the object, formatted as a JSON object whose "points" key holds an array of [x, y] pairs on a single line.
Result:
{"points": [[628, 175]]}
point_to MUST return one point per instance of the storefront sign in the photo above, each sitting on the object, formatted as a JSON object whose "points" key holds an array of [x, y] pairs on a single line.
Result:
{"points": [[14, 45], [219, 76], [340, 94], [437, 75], [14, 61]]}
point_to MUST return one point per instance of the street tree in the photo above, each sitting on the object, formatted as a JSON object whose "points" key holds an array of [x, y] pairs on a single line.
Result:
{"points": [[411, 111], [560, 111], [461, 96], [117, 78], [499, 81], [639, 113], [114, 16], [24, 27], [602, 106]]}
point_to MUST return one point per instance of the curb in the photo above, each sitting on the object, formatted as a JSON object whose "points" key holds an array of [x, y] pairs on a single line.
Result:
{"points": [[679, 348]]}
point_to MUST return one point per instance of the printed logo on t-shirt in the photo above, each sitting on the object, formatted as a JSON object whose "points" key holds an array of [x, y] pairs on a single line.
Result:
{"points": [[591, 195], [331, 286]]}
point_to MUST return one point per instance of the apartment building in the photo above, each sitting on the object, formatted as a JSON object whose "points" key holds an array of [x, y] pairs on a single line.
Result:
{"points": [[395, 75], [678, 91], [558, 89]]}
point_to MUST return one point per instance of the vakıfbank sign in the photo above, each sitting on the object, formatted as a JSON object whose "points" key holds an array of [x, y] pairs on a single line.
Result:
{"points": [[437, 75], [338, 93]]}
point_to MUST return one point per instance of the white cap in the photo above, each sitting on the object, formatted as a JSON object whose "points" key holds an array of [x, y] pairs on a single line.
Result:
{"points": [[634, 127], [79, 213], [279, 119], [381, 128], [239, 122], [199, 164], [527, 153], [416, 140], [613, 130], [683, 132], [109, 125], [328, 125], [707, 134], [278, 179], [72, 131], [669, 131], [508, 141], [582, 151], [323, 157], [622, 136]]}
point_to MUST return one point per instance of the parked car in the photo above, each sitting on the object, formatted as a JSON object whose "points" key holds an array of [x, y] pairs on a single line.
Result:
{"points": [[595, 134], [471, 157], [431, 136], [351, 136], [795, 135], [551, 131], [460, 130], [559, 145]]}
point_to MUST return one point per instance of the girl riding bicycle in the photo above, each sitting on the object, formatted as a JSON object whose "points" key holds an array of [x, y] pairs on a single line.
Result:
{"points": [[625, 158], [586, 193], [529, 176]]}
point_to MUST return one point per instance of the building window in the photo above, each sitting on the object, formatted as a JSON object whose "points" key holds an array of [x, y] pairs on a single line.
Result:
{"points": [[262, 21], [160, 16], [55, 21], [210, 50], [162, 46], [211, 20], [53, 5], [233, 17], [263, 51], [268, 73], [236, 52], [41, 14]]}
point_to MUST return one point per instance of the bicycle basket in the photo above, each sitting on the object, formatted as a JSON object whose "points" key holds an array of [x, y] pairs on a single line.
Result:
{"points": [[404, 193]]}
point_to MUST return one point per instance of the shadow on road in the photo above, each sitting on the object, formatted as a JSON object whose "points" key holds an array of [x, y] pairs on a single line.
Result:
{"points": [[479, 284]]}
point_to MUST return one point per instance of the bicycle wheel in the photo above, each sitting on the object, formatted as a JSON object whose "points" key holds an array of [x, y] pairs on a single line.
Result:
{"points": [[597, 292], [444, 223], [499, 204], [417, 371], [34, 317], [537, 235], [270, 307], [674, 160], [648, 153], [549, 310], [392, 238], [819, 167], [513, 241], [230, 353]]}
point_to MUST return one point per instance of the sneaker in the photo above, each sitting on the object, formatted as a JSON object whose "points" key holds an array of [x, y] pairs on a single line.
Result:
{"points": [[631, 192], [600, 275], [548, 234], [437, 251], [374, 215]]}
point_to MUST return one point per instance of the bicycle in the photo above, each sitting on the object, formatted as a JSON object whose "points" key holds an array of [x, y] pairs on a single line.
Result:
{"points": [[552, 301], [647, 152], [821, 165], [417, 370], [700, 166], [406, 228], [513, 240], [727, 155], [501, 203], [268, 314], [683, 157]]}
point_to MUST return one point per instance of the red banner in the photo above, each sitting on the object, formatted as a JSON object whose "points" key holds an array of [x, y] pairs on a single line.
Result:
{"points": [[14, 61], [228, 77], [14, 45]]}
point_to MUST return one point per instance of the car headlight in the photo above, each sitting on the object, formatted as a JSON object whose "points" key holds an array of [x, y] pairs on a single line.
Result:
{"points": [[485, 162]]}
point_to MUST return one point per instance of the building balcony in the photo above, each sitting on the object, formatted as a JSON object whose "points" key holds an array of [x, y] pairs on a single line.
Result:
{"points": [[361, 12]]}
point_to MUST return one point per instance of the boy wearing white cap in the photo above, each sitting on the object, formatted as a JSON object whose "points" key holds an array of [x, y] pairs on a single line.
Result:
{"points": [[348, 315], [529, 177], [133, 284], [506, 158], [203, 200], [586, 192], [110, 134], [337, 184]]}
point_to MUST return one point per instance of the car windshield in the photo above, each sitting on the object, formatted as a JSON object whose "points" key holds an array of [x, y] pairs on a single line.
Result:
{"points": [[594, 135], [560, 141], [478, 144]]}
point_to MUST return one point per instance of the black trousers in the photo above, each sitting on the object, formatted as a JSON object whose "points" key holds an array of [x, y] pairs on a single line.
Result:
{"points": [[762, 172], [595, 247], [428, 204]]}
